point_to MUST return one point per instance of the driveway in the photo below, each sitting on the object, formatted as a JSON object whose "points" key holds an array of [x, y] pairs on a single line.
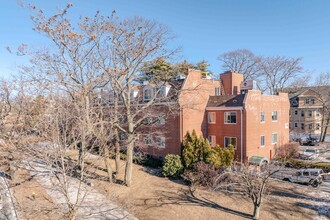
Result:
{"points": [[324, 149]]}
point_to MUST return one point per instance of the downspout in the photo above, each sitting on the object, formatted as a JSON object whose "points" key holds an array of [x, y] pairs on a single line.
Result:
{"points": [[241, 136]]}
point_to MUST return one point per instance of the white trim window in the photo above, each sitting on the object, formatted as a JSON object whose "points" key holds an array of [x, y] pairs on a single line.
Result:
{"points": [[147, 94], [212, 140], [230, 117], [262, 140], [262, 117], [148, 139], [296, 112], [274, 138], [121, 136], [217, 91], [160, 140], [211, 117], [296, 124], [230, 141], [161, 120], [274, 115]]}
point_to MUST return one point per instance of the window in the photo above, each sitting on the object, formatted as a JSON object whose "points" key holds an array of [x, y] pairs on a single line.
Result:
{"points": [[212, 140], [217, 91], [310, 113], [161, 120], [262, 116], [274, 115], [305, 173], [317, 126], [148, 140], [230, 117], [211, 117], [230, 141], [274, 138], [147, 94], [296, 112], [317, 113], [121, 135], [302, 126], [302, 113], [310, 126], [309, 101], [262, 140], [296, 124], [160, 141], [147, 121]]}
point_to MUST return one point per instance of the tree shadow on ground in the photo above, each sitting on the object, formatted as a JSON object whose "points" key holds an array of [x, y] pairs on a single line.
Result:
{"points": [[321, 209], [297, 195], [186, 197]]}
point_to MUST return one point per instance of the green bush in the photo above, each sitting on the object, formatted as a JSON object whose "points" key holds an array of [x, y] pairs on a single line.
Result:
{"points": [[172, 166], [220, 156], [194, 149]]}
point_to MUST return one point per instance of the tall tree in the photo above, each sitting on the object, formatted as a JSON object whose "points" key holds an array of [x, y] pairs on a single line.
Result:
{"points": [[242, 61], [279, 71]]}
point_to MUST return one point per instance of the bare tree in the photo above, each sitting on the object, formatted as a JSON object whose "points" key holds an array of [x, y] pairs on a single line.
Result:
{"points": [[247, 181], [279, 71], [5, 105], [242, 61], [322, 88], [135, 41], [272, 73]]}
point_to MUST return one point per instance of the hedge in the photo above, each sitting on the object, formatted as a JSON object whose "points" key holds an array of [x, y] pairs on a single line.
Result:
{"points": [[302, 164]]}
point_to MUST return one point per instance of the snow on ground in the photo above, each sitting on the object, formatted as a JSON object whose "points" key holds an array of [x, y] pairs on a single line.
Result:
{"points": [[93, 206]]}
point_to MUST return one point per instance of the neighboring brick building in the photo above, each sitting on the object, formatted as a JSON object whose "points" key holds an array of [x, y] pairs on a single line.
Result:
{"points": [[217, 109], [309, 111]]}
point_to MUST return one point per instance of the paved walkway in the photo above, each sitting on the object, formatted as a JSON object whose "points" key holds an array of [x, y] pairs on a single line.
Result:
{"points": [[93, 206], [7, 209]]}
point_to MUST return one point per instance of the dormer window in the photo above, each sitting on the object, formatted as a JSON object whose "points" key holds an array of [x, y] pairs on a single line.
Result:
{"points": [[147, 94]]}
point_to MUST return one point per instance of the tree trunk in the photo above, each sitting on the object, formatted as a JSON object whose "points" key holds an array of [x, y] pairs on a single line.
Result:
{"points": [[256, 211], [107, 164], [117, 146], [129, 164], [325, 131]]}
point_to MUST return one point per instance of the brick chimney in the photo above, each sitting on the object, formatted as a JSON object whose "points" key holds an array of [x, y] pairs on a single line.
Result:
{"points": [[231, 82]]}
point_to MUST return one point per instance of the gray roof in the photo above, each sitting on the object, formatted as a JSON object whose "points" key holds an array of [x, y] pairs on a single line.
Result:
{"points": [[226, 101]]}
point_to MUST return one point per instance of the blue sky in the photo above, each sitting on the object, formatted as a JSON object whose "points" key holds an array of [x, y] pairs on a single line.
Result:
{"points": [[204, 28]]}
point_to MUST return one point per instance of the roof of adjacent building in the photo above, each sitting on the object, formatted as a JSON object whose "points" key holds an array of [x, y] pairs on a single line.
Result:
{"points": [[308, 91], [226, 101]]}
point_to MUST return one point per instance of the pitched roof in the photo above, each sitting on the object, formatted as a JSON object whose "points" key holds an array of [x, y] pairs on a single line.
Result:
{"points": [[296, 92], [226, 101]]}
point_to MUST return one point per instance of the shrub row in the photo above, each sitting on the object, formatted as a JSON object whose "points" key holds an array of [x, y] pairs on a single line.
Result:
{"points": [[298, 164]]}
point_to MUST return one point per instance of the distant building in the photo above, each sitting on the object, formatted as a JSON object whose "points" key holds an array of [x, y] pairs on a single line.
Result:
{"points": [[309, 111]]}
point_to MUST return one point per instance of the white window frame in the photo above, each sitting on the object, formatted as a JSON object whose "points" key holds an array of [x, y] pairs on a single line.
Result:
{"points": [[209, 117], [318, 126], [296, 112], [262, 117], [160, 140], [212, 140], [148, 89], [161, 120], [274, 120], [226, 116], [310, 113], [147, 137], [217, 91], [302, 126], [273, 138], [296, 124], [224, 141], [262, 141]]}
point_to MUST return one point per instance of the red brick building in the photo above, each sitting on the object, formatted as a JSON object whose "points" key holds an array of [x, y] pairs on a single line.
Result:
{"points": [[227, 111]]}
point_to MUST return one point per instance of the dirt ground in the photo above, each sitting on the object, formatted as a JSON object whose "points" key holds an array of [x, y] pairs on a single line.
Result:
{"points": [[155, 197], [32, 200]]}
